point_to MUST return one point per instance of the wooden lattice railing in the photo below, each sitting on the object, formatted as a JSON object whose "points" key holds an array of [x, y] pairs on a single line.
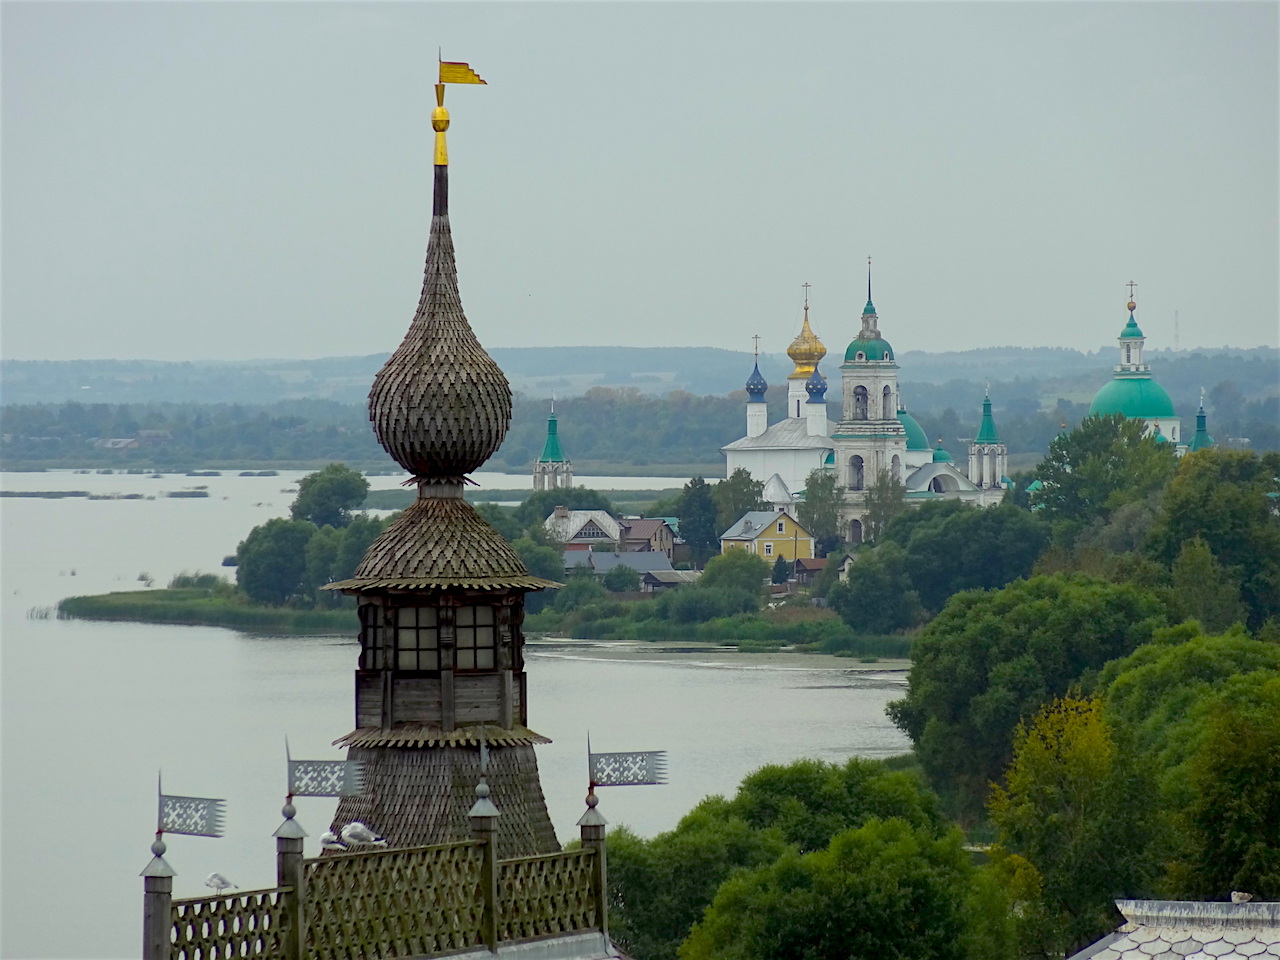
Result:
{"points": [[247, 924], [394, 903], [542, 896]]}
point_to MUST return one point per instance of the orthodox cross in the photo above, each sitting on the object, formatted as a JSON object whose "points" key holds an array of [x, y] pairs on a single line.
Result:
{"points": [[806, 294], [756, 341], [1130, 285]]}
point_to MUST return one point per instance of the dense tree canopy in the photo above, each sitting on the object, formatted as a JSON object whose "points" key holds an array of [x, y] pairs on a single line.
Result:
{"points": [[878, 596], [882, 890], [735, 569], [1227, 498], [989, 660], [271, 561], [327, 497], [1103, 464], [1076, 808]]}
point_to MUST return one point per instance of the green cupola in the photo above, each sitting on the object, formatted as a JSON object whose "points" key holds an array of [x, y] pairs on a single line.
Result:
{"points": [[987, 431], [551, 452], [1202, 440]]}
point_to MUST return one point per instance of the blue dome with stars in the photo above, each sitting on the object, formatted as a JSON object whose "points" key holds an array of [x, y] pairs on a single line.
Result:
{"points": [[816, 387], [756, 386]]}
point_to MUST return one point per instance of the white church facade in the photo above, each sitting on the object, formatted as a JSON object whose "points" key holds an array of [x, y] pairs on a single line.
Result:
{"points": [[875, 439]]}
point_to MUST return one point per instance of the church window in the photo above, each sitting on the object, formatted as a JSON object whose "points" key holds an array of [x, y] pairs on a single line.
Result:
{"points": [[895, 465], [476, 637], [887, 411], [859, 402], [1128, 353], [856, 471], [855, 531], [860, 356]]}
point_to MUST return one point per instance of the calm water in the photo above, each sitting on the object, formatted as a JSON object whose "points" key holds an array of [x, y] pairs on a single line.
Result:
{"points": [[92, 711]]}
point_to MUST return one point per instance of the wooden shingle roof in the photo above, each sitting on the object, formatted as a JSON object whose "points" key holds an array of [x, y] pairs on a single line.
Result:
{"points": [[440, 542]]}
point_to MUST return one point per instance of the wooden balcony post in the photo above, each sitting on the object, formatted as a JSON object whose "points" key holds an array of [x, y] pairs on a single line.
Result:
{"points": [[484, 826], [157, 904], [592, 826], [289, 874]]}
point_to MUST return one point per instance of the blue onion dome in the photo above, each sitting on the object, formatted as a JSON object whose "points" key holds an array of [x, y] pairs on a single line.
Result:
{"points": [[756, 385], [816, 387], [940, 455]]}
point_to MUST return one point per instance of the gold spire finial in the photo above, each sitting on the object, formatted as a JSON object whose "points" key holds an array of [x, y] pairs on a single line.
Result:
{"points": [[450, 72]]}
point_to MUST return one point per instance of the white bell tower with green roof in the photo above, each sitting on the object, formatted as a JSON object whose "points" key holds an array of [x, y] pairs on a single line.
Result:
{"points": [[552, 471]]}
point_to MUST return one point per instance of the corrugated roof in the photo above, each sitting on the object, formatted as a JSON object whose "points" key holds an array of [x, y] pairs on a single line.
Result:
{"points": [[440, 542], [789, 434]]}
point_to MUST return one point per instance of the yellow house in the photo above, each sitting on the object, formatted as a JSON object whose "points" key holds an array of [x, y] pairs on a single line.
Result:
{"points": [[769, 534]]}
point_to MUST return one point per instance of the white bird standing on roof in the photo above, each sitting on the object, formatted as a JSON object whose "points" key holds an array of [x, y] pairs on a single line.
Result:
{"points": [[357, 832], [329, 841], [218, 882]]}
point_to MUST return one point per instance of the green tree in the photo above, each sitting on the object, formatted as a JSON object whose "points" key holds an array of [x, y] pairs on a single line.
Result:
{"points": [[1103, 464], [781, 570], [697, 512], [272, 560], [621, 579], [988, 661], [886, 498], [321, 555], [327, 497], [734, 496], [502, 519], [735, 569], [883, 890], [819, 511], [541, 561], [1227, 498], [356, 538], [1081, 814], [1231, 829], [877, 597], [1205, 589], [972, 549], [579, 592]]}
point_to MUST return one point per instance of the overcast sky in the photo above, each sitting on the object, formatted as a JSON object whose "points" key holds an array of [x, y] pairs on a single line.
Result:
{"points": [[237, 180]]}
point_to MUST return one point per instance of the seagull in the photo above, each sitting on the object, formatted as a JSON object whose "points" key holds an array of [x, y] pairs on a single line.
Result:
{"points": [[218, 882], [329, 841], [357, 832]]}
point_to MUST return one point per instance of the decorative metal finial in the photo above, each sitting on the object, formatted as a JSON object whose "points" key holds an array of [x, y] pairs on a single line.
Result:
{"points": [[1131, 284], [868, 279], [806, 297], [755, 339], [158, 846]]}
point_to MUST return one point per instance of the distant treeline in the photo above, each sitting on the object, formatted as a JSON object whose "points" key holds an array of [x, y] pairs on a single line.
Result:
{"points": [[618, 426]]}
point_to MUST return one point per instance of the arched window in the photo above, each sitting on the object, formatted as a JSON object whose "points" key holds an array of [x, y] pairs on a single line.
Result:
{"points": [[895, 465], [855, 531], [859, 402], [887, 405], [856, 473]]}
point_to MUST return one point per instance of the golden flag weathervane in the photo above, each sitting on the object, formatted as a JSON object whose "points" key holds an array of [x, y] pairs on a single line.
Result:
{"points": [[451, 71]]}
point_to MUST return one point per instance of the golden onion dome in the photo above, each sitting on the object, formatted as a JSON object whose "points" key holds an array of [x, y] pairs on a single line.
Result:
{"points": [[806, 350]]}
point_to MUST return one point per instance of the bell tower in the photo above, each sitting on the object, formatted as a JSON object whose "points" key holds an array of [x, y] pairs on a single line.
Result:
{"points": [[440, 594]]}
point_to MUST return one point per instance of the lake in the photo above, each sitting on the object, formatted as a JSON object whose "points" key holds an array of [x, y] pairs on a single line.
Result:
{"points": [[93, 711]]}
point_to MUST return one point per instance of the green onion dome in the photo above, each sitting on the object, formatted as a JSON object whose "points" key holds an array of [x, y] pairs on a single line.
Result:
{"points": [[916, 438], [1135, 397], [940, 455]]}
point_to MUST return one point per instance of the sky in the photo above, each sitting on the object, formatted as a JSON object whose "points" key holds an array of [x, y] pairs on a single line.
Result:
{"points": [[222, 181]]}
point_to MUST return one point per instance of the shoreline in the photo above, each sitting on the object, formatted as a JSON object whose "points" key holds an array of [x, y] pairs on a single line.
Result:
{"points": [[694, 651]]}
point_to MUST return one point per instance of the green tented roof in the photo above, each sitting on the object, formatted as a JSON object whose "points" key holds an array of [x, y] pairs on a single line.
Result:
{"points": [[551, 449], [1135, 397], [1202, 440], [987, 431]]}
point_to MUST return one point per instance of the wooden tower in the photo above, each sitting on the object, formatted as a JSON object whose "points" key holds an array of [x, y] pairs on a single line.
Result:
{"points": [[440, 593]]}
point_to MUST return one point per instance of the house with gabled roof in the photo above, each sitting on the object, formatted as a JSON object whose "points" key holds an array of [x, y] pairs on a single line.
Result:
{"points": [[580, 529], [768, 534]]}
